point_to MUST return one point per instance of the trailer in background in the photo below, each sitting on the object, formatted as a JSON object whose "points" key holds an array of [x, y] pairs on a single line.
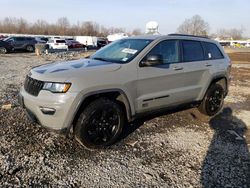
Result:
{"points": [[116, 36], [89, 41]]}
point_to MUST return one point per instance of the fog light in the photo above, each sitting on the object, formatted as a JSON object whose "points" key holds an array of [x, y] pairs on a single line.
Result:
{"points": [[48, 111]]}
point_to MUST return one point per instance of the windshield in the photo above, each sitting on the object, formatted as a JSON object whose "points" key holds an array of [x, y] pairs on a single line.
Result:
{"points": [[121, 51], [7, 39]]}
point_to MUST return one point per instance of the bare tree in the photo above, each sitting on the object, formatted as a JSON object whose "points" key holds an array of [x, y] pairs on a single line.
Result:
{"points": [[136, 32], [22, 25], [61, 27], [234, 34], [113, 30], [194, 26], [90, 28]]}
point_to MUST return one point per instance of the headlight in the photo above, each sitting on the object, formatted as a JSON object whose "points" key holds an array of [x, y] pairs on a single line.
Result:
{"points": [[56, 87]]}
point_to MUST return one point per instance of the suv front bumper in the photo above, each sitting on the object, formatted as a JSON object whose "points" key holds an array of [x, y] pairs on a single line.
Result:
{"points": [[48, 109]]}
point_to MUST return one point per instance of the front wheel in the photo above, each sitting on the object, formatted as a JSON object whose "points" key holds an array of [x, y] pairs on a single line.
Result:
{"points": [[3, 50], [213, 100], [100, 124]]}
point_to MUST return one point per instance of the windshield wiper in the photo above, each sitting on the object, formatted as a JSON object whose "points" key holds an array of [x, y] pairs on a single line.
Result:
{"points": [[99, 58]]}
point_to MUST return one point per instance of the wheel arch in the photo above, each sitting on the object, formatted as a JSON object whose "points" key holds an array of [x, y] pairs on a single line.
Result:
{"points": [[114, 94], [220, 79]]}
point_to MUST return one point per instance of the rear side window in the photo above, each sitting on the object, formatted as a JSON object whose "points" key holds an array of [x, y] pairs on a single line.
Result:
{"points": [[19, 39], [192, 51], [212, 51], [60, 41], [29, 38], [169, 50]]}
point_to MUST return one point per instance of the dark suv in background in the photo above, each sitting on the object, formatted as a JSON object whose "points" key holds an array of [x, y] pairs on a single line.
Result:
{"points": [[5, 47], [22, 43]]}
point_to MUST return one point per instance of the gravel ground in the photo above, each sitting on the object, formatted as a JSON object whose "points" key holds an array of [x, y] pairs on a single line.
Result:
{"points": [[181, 149]]}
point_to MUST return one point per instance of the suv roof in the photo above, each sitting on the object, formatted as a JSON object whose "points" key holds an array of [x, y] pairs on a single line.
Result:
{"points": [[185, 35], [173, 36]]}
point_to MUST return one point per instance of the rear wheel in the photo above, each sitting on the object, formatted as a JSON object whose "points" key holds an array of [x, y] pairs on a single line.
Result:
{"points": [[213, 100], [100, 124], [30, 48], [3, 50]]}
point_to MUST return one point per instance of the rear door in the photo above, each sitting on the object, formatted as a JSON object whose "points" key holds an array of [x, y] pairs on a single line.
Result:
{"points": [[197, 68], [215, 61]]}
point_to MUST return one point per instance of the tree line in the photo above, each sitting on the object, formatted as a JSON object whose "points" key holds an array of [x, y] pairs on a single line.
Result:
{"points": [[195, 25], [61, 27]]}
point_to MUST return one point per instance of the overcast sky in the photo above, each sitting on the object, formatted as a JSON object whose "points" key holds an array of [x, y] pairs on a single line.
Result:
{"points": [[132, 14]]}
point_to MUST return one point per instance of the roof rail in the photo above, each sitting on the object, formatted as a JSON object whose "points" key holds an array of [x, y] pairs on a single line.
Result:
{"points": [[186, 35]]}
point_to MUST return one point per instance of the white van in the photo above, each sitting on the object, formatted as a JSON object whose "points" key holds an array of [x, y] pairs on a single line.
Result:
{"points": [[88, 41]]}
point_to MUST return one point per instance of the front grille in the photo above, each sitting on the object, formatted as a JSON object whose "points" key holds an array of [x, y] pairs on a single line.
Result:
{"points": [[33, 86]]}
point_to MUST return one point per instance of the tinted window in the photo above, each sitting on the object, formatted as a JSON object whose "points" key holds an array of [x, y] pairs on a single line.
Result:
{"points": [[30, 38], [192, 51], [60, 41], [212, 51], [168, 49], [19, 39]]}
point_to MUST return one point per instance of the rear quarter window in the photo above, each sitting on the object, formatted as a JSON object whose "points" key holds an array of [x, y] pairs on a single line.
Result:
{"points": [[192, 51], [212, 51]]}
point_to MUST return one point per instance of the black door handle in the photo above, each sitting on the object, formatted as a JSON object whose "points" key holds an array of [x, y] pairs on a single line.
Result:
{"points": [[178, 68]]}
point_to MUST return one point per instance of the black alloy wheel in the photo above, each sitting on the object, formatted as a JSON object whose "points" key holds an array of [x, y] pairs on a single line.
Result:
{"points": [[100, 124], [213, 101]]}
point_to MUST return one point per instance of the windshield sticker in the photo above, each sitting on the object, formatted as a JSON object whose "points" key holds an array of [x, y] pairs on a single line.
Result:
{"points": [[125, 59], [129, 51]]}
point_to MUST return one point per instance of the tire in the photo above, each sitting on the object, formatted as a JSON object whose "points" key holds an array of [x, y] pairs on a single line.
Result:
{"points": [[3, 50], [30, 48], [213, 100], [100, 124]]}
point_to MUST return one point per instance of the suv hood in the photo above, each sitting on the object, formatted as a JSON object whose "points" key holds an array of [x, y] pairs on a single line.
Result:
{"points": [[65, 70]]}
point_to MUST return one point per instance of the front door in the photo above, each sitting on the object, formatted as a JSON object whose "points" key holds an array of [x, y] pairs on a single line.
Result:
{"points": [[169, 83]]}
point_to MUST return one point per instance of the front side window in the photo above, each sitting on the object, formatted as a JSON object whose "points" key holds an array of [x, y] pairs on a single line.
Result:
{"points": [[121, 51], [168, 50], [212, 51], [192, 51]]}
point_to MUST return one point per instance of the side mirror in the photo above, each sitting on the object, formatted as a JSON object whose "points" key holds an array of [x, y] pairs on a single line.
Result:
{"points": [[152, 60]]}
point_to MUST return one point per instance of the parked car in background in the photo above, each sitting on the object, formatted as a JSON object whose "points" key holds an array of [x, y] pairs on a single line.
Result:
{"points": [[22, 43], [248, 45], [71, 43], [55, 43], [2, 37], [42, 39], [5, 47], [101, 42]]}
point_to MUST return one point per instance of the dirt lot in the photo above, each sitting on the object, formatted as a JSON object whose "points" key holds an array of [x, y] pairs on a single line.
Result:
{"points": [[182, 149]]}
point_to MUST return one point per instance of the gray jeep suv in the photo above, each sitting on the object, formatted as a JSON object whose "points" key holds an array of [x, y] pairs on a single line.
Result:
{"points": [[94, 97]]}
